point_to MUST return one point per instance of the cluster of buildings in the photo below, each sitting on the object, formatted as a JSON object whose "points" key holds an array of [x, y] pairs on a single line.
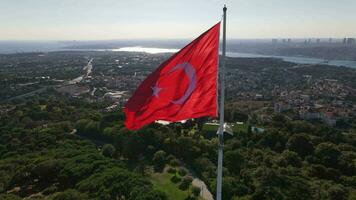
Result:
{"points": [[326, 101], [113, 76], [346, 41], [110, 78]]}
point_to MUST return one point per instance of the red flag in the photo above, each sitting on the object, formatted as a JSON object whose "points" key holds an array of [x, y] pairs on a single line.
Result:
{"points": [[183, 87]]}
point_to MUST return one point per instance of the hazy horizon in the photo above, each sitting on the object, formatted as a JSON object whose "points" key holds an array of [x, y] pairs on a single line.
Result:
{"points": [[137, 19], [300, 39]]}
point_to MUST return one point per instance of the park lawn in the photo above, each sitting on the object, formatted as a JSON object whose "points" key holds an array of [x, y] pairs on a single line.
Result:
{"points": [[210, 127], [162, 182], [240, 128]]}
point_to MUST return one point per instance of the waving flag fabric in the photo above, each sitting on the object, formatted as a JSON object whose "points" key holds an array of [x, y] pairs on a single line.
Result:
{"points": [[183, 87]]}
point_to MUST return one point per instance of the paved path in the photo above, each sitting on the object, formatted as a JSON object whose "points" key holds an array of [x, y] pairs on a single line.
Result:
{"points": [[204, 192], [88, 69], [28, 94]]}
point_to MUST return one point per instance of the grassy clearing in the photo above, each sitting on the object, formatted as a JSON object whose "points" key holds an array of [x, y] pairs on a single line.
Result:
{"points": [[162, 182], [240, 128]]}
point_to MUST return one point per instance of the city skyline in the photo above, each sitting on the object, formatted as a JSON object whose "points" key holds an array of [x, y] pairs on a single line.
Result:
{"points": [[137, 19]]}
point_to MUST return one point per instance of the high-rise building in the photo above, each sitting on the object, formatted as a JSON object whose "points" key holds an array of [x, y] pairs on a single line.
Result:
{"points": [[344, 40], [351, 41]]}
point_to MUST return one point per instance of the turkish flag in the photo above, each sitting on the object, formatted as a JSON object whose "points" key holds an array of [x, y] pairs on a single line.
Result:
{"points": [[182, 87]]}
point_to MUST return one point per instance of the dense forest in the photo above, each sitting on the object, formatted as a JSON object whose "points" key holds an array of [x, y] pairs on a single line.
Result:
{"points": [[40, 157], [58, 147]]}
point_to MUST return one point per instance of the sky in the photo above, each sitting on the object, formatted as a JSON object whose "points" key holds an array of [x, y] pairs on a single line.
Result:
{"points": [[174, 19]]}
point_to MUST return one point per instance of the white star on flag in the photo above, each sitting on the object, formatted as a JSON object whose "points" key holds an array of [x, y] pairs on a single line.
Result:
{"points": [[156, 90]]}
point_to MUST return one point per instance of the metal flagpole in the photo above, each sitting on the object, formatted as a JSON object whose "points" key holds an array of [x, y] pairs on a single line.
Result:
{"points": [[222, 99]]}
